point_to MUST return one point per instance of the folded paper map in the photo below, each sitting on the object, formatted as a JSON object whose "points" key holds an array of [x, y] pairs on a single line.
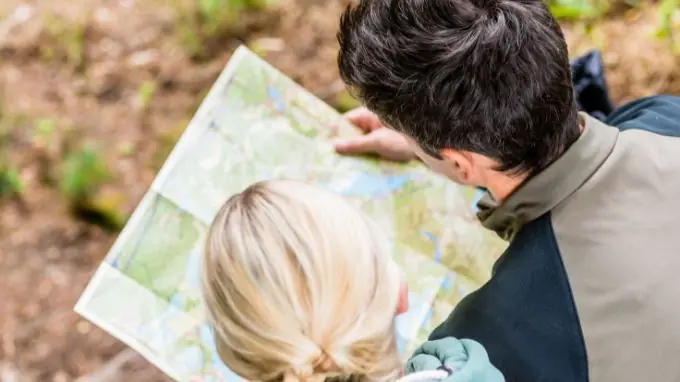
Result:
{"points": [[257, 124]]}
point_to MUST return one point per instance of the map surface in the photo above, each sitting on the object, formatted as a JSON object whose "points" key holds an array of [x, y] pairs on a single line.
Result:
{"points": [[257, 124]]}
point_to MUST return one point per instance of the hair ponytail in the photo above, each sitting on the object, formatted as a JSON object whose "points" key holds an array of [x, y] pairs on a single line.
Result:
{"points": [[300, 286]]}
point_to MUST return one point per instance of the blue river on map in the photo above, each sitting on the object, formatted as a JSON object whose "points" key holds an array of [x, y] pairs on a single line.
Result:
{"points": [[278, 99], [368, 185]]}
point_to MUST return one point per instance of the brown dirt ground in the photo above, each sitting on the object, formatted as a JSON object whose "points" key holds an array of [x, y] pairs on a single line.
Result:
{"points": [[47, 256]]}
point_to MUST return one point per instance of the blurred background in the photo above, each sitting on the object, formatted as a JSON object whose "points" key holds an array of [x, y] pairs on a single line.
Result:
{"points": [[94, 94]]}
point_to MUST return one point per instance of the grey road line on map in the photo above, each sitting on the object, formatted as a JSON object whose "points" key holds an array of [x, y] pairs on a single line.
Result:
{"points": [[146, 226]]}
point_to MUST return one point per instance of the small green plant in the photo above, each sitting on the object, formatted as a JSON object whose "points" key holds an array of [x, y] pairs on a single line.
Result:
{"points": [[85, 181], [82, 172], [11, 184], [146, 93]]}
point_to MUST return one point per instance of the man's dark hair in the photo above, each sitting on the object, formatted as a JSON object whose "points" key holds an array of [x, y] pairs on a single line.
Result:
{"points": [[486, 76]]}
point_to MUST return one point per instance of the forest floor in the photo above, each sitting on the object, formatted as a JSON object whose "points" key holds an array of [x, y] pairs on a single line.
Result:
{"points": [[128, 75]]}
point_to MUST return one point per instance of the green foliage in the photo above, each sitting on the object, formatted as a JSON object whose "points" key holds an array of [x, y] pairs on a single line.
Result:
{"points": [[577, 9], [216, 13], [202, 21], [82, 181], [82, 172], [667, 10], [10, 181], [66, 39]]}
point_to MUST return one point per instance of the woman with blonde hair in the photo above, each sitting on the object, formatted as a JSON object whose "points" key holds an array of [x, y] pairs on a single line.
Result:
{"points": [[300, 286]]}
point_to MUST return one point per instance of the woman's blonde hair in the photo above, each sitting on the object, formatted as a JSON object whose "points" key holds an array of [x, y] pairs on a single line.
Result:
{"points": [[299, 285]]}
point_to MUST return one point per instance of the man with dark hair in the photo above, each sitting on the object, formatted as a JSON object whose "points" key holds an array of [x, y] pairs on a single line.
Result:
{"points": [[481, 91]]}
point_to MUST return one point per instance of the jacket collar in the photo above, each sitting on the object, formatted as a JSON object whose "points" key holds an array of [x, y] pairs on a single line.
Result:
{"points": [[542, 192]]}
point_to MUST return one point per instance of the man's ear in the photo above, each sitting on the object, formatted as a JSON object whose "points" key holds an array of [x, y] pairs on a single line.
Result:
{"points": [[403, 298], [462, 164]]}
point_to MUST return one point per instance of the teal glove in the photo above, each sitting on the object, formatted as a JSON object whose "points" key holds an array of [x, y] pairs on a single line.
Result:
{"points": [[467, 359]]}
